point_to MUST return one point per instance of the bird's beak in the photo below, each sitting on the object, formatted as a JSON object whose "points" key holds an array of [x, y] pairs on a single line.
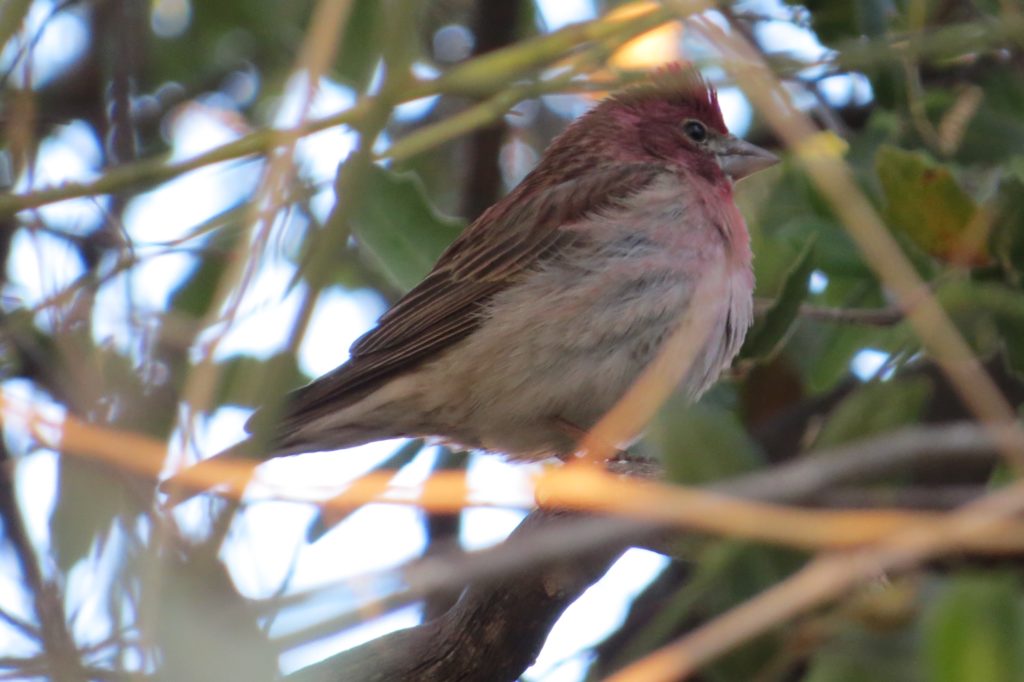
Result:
{"points": [[739, 158]]}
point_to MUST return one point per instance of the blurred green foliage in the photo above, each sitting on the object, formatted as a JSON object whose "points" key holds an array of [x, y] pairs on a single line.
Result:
{"points": [[934, 127]]}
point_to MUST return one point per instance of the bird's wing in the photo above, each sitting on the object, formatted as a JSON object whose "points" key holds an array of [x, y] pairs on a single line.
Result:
{"points": [[507, 241]]}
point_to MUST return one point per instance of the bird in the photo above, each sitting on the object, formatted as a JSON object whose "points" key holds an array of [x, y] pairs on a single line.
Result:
{"points": [[542, 313]]}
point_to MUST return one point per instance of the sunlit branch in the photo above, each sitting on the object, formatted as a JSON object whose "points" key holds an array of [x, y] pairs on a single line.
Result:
{"points": [[833, 178], [945, 43], [572, 538], [484, 75]]}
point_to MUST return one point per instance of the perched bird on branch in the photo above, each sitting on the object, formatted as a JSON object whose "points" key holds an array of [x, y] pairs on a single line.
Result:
{"points": [[543, 313]]}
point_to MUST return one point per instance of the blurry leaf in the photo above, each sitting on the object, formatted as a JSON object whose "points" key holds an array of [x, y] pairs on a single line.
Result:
{"points": [[834, 251], [700, 443], [833, 21], [1013, 340], [26, 350], [362, 43], [925, 202], [195, 294], [256, 36], [857, 655], [975, 631], [206, 629], [89, 497], [989, 314], [244, 379], [398, 228], [826, 350], [724, 574], [749, 571], [875, 408], [769, 333], [769, 388], [996, 130], [1008, 233], [873, 635]]}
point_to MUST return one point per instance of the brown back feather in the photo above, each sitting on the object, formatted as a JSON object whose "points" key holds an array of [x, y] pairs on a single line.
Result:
{"points": [[521, 232]]}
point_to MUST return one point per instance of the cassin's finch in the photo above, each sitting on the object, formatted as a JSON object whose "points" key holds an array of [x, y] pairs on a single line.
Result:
{"points": [[540, 316]]}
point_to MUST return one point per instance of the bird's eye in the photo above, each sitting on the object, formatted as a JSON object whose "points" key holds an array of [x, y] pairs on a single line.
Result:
{"points": [[695, 130]]}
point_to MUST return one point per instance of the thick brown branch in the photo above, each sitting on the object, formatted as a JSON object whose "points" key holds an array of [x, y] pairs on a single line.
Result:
{"points": [[494, 632]]}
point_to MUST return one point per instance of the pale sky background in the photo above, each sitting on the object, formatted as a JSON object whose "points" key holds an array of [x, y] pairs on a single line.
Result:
{"points": [[263, 542]]}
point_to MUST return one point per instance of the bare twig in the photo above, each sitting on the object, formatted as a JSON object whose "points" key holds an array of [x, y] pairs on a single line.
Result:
{"points": [[873, 317], [945, 43], [318, 49], [824, 579], [833, 178], [866, 461], [484, 75], [562, 539], [833, 574], [62, 660], [911, 497]]}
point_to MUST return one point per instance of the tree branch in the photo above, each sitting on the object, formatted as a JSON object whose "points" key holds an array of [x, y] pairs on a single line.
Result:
{"points": [[493, 632], [62, 661], [509, 581], [488, 74], [480, 76]]}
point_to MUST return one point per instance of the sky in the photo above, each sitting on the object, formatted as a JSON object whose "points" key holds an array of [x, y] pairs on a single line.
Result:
{"points": [[259, 552]]}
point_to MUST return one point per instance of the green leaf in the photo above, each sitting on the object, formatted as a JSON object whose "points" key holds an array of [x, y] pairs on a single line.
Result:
{"points": [[397, 228], [875, 408], [195, 294], [990, 315], [1013, 337], [924, 202], [83, 515], [750, 570], [856, 655], [975, 632], [1008, 225], [770, 332], [205, 628], [244, 379], [723, 574], [996, 130], [700, 443], [833, 21], [362, 43]]}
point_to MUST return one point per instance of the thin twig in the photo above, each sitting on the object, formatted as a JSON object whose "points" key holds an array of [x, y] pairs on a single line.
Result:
{"points": [[26, 628], [485, 75], [876, 317], [798, 481], [62, 660], [833, 178], [822, 580], [872, 317], [946, 43]]}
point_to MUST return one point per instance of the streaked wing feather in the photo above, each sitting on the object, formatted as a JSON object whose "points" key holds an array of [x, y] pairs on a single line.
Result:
{"points": [[445, 307]]}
